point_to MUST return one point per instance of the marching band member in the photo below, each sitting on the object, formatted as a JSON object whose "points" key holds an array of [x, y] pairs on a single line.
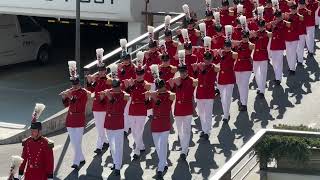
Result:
{"points": [[292, 38], [248, 6], [14, 168], [226, 76], [243, 67], [205, 94], [218, 40], [95, 84], [313, 6], [126, 70], [138, 105], [152, 56], [302, 31], [184, 87], [76, 99], [209, 22], [284, 6], [226, 16], [37, 154], [190, 58], [161, 101], [260, 56], [166, 71], [171, 45], [277, 44], [237, 31], [193, 34], [268, 11], [116, 101]]}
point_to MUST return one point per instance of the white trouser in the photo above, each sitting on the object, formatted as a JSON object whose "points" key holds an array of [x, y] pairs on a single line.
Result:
{"points": [[291, 54], [242, 79], [316, 16], [75, 135], [137, 127], [260, 69], [205, 107], [277, 63], [300, 47], [183, 124], [126, 116], [226, 97], [310, 38], [268, 48], [99, 118], [160, 140], [116, 146]]}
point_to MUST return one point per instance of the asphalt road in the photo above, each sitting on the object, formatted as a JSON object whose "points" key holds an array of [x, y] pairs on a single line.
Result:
{"points": [[295, 102]]}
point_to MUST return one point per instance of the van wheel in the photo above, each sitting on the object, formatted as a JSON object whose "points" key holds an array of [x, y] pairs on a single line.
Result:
{"points": [[43, 55]]}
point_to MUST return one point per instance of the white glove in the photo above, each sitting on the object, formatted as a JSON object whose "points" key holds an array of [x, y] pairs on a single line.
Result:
{"points": [[50, 178]]}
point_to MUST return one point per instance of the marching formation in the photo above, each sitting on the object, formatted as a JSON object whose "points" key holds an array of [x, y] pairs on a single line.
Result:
{"points": [[176, 80]]}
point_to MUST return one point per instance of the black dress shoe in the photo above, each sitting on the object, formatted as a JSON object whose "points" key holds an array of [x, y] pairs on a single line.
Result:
{"points": [[113, 167], [116, 172], [206, 136], [142, 150], [76, 167], [105, 146], [243, 108], [299, 64], [292, 72], [258, 91], [82, 162], [98, 151], [277, 82], [261, 95], [183, 157], [159, 174], [226, 120], [135, 156], [201, 134]]}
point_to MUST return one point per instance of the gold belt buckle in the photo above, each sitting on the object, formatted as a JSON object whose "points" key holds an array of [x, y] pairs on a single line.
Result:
{"points": [[201, 85], [179, 102], [109, 115]]}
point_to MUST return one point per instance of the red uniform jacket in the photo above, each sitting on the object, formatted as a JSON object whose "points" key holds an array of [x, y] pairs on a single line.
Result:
{"points": [[127, 72], [206, 80], [210, 31], [278, 40], [226, 74], [138, 105], [37, 159], [268, 14], [310, 21], [261, 42], [184, 97], [217, 42], [100, 84], [225, 18], [243, 62], [302, 24], [292, 32], [192, 36], [283, 5], [166, 72], [248, 7], [237, 33], [253, 25], [77, 108], [190, 59], [161, 113], [115, 109], [172, 51], [152, 59]]}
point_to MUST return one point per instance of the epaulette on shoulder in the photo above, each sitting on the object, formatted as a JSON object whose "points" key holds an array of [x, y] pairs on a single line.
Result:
{"points": [[24, 141], [50, 142]]}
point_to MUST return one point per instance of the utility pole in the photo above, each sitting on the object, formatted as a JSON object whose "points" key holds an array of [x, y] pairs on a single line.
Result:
{"points": [[77, 45]]}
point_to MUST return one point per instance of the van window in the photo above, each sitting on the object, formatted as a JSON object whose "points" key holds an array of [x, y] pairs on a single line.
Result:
{"points": [[28, 25]]}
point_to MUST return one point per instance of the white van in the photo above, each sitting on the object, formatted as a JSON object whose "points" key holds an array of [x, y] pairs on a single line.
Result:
{"points": [[22, 39]]}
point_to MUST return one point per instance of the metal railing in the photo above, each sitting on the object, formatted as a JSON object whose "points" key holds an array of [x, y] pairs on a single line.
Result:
{"points": [[135, 45], [225, 173]]}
